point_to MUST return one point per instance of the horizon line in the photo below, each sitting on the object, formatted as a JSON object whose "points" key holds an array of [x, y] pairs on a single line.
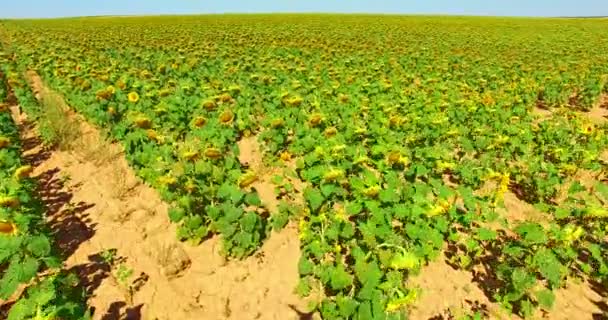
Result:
{"points": [[307, 13]]}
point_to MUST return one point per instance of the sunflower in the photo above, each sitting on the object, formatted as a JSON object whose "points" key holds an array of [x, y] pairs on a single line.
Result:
{"points": [[9, 202], [85, 85], [333, 175], [396, 158], [143, 122], [199, 122], [23, 172], [167, 180], [285, 156], [190, 155], [225, 97], [213, 153], [209, 105], [293, 101], [330, 132], [133, 97], [343, 98], [277, 123], [8, 228], [164, 92], [121, 84], [315, 120], [247, 179], [226, 117], [4, 142], [587, 129]]}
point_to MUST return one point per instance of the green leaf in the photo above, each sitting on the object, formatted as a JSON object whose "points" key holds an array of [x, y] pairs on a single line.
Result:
{"points": [[353, 208], [18, 271], [545, 298], [340, 279], [346, 306], [532, 233], [575, 187], [314, 198], [522, 281], [549, 266], [485, 234], [39, 246], [9, 246], [230, 192], [249, 222], [388, 196], [405, 260], [328, 189], [305, 267], [253, 199], [176, 214]]}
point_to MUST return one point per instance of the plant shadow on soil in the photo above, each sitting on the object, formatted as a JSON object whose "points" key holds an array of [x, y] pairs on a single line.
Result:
{"points": [[70, 225], [114, 312], [484, 272]]}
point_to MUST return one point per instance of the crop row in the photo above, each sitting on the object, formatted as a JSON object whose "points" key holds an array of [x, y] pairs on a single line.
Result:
{"points": [[31, 276], [394, 128]]}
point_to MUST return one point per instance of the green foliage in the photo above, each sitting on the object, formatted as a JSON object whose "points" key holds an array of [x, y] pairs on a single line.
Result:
{"points": [[26, 246], [408, 132]]}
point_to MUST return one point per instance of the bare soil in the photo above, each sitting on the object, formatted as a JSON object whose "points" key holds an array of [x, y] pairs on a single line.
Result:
{"points": [[447, 293], [92, 209], [97, 205]]}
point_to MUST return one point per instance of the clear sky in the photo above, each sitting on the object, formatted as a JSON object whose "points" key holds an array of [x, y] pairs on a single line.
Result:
{"points": [[63, 8]]}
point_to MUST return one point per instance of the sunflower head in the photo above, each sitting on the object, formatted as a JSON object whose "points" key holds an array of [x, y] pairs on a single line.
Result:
{"points": [[209, 105], [167, 180], [8, 228], [285, 156], [225, 97], [133, 97], [213, 153], [247, 179], [315, 119], [190, 155], [343, 98], [372, 191], [330, 132], [9, 202], [112, 110], [199, 121], [294, 101], [396, 158], [277, 123], [85, 85], [164, 92], [587, 129], [121, 84], [143, 122], [226, 117], [23, 172], [4, 142]]}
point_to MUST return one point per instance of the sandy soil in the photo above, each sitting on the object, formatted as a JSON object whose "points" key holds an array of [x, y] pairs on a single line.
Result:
{"points": [[450, 293], [175, 281], [447, 293], [98, 206]]}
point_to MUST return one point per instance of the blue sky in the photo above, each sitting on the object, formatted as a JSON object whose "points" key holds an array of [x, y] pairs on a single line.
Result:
{"points": [[62, 8]]}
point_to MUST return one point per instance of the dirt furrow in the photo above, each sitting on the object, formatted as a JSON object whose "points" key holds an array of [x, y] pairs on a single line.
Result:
{"points": [[115, 233]]}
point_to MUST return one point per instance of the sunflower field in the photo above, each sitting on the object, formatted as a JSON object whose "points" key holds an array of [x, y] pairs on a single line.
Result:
{"points": [[406, 134]]}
